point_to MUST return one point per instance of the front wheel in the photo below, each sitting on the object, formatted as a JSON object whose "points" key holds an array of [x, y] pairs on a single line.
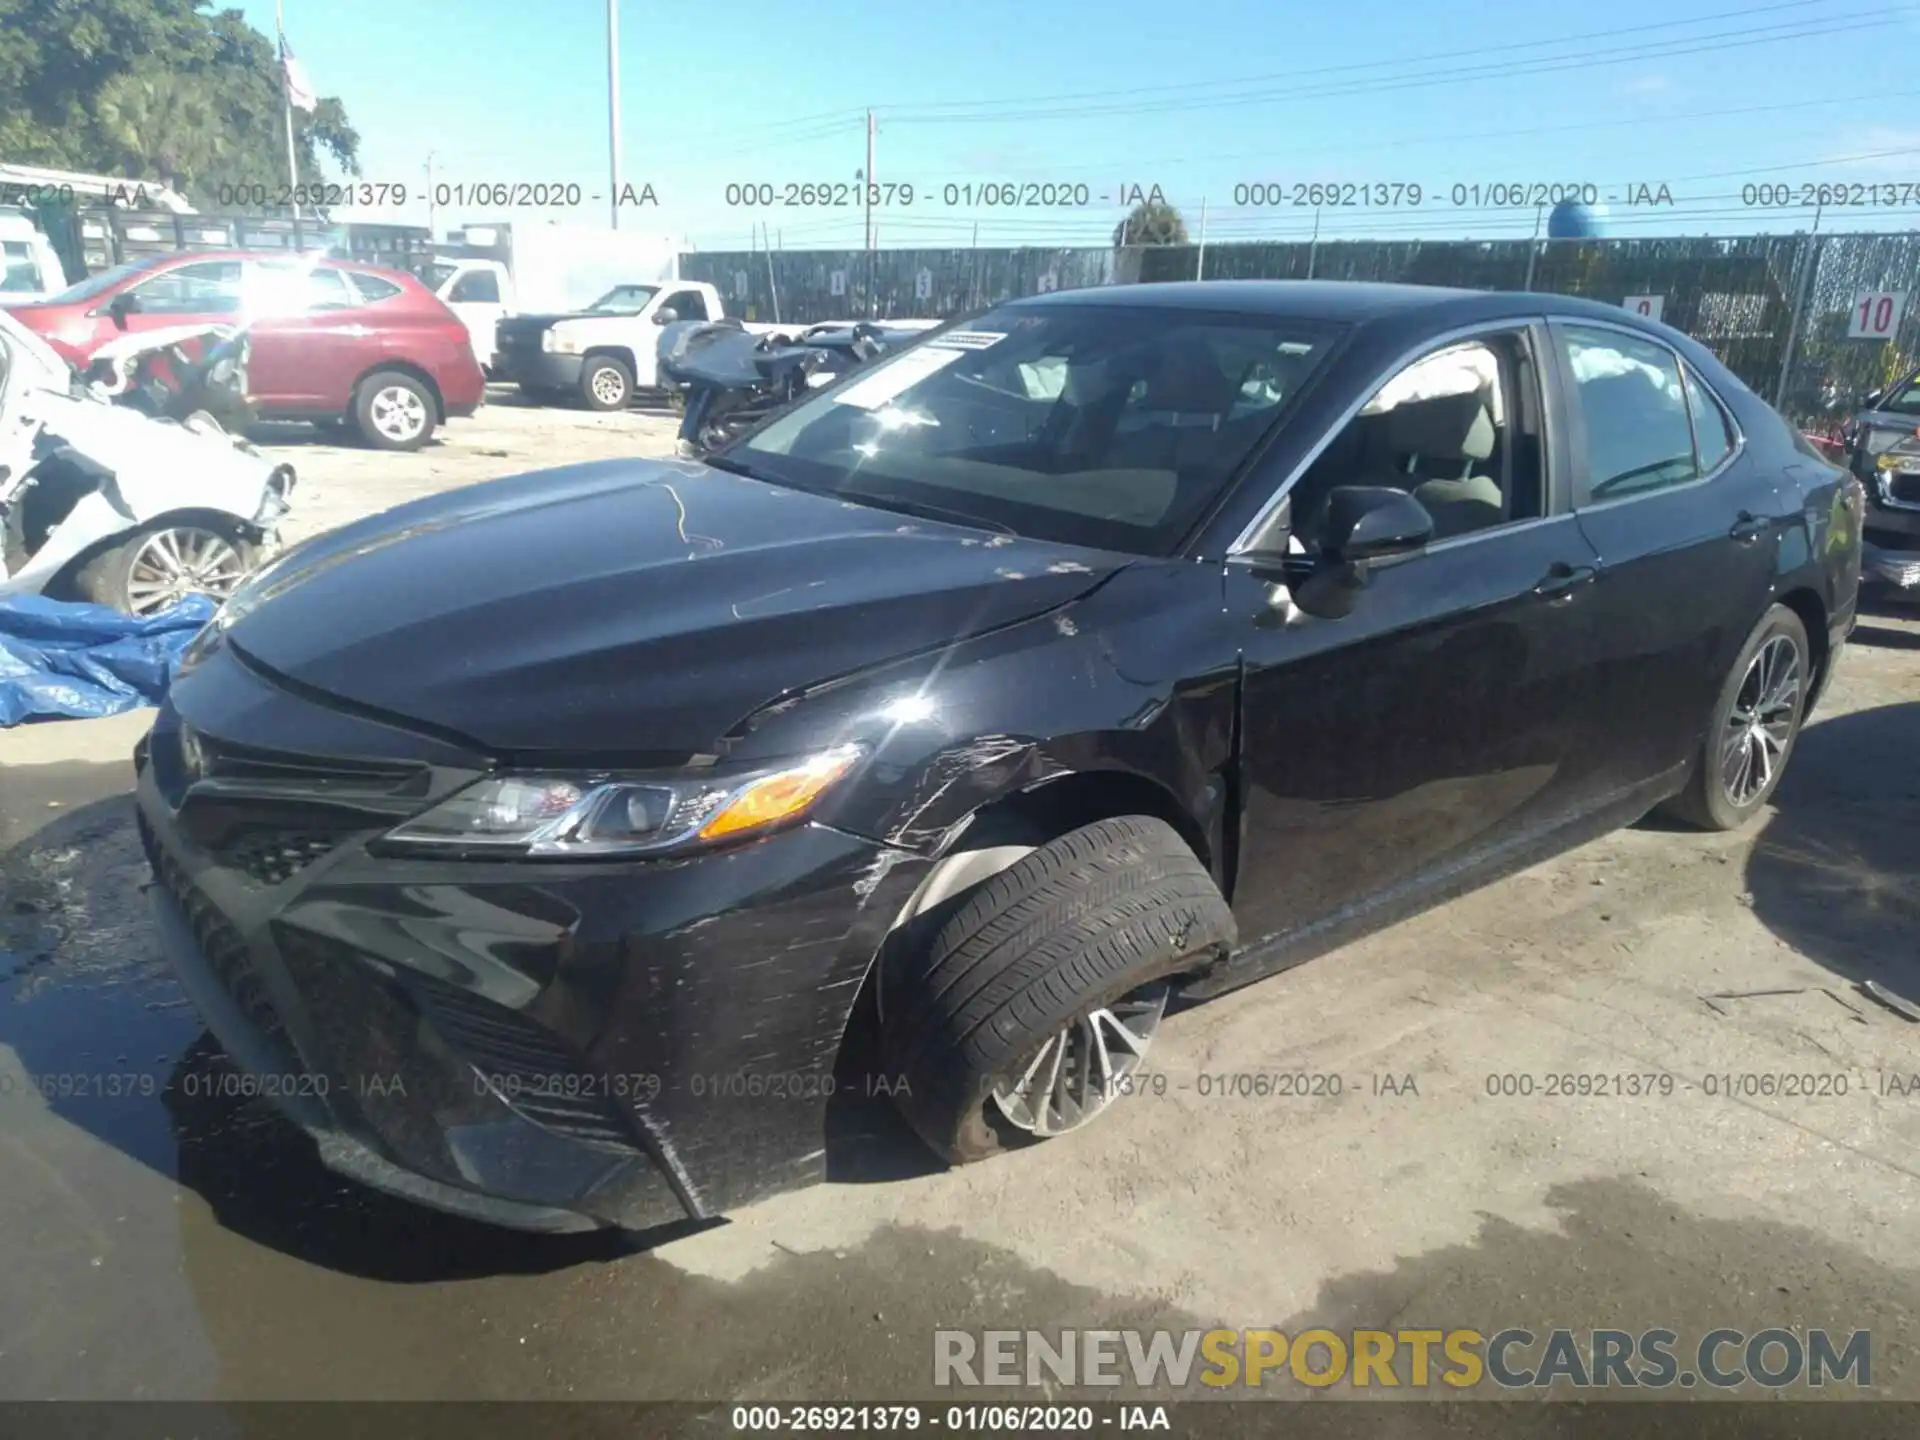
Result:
{"points": [[1754, 726], [605, 383], [1035, 1003], [161, 565]]}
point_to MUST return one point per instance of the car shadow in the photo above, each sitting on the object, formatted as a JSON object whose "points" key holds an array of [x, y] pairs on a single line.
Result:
{"points": [[1836, 871]]}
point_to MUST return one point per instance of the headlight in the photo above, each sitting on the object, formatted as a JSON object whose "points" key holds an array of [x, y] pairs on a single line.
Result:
{"points": [[568, 815], [555, 342]]}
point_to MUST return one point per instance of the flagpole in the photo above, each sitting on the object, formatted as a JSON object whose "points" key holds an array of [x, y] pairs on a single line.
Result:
{"points": [[286, 96]]}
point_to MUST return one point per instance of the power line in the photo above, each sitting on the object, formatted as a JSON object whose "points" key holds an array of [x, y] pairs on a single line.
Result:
{"points": [[1730, 40], [1135, 92]]}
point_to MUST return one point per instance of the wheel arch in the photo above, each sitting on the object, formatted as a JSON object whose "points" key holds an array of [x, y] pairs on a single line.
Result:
{"points": [[623, 353], [226, 521], [412, 372], [1806, 603], [997, 833]]}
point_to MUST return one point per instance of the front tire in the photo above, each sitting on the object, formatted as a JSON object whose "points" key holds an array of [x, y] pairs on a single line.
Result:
{"points": [[1035, 1001], [161, 564], [1753, 729], [393, 411], [605, 383]]}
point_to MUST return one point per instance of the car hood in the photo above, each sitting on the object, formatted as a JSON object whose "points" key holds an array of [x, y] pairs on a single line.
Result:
{"points": [[637, 608]]}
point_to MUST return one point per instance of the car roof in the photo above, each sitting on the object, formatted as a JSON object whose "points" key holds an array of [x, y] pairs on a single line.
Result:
{"points": [[336, 261], [1340, 301]]}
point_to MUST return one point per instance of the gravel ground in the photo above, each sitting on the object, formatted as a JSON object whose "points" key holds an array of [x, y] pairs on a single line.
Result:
{"points": [[156, 1245]]}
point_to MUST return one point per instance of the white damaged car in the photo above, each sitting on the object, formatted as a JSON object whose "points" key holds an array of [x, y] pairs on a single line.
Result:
{"points": [[102, 503]]}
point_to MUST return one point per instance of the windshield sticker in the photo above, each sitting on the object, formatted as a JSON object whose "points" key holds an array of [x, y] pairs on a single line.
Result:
{"points": [[909, 370], [968, 339]]}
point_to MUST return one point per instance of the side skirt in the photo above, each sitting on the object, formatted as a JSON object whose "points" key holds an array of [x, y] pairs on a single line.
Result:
{"points": [[1432, 887]]}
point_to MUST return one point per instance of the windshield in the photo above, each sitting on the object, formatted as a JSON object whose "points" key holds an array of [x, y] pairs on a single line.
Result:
{"points": [[99, 284], [625, 299], [1106, 425]]}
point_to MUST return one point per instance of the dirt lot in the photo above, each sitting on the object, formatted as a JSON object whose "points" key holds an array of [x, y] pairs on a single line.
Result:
{"points": [[160, 1244]]}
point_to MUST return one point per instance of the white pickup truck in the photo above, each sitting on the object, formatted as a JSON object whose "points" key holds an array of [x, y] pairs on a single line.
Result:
{"points": [[603, 354]]}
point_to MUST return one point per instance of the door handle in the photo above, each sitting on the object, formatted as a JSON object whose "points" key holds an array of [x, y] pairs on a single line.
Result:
{"points": [[1748, 528], [1562, 580]]}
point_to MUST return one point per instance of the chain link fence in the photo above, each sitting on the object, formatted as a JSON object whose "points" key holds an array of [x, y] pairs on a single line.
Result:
{"points": [[1776, 308]]}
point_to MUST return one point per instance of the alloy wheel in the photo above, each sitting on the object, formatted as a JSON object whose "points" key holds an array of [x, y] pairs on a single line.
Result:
{"points": [[1760, 725], [179, 561], [1086, 1065], [398, 413]]}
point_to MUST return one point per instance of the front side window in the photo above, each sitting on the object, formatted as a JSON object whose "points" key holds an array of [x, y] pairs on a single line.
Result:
{"points": [[1905, 400], [1639, 436], [688, 305], [1459, 430], [1105, 425], [95, 285], [210, 287], [478, 287]]}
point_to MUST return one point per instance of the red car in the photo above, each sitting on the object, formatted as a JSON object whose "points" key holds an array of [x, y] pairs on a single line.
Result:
{"points": [[332, 340]]}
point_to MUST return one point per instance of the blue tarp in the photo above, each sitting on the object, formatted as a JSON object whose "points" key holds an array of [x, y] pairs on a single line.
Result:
{"points": [[83, 661]]}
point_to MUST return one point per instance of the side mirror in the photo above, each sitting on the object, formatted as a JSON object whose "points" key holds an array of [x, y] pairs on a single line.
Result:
{"points": [[665, 315], [1373, 522], [122, 305], [1364, 523]]}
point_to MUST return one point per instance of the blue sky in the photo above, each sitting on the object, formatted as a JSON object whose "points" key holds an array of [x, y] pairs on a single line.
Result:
{"points": [[1705, 97]]}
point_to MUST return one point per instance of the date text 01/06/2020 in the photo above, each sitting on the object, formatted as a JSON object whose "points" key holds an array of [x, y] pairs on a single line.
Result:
{"points": [[1465, 194]]}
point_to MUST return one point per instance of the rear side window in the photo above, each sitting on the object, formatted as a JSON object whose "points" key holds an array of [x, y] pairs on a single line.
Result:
{"points": [[373, 288], [1712, 434], [1639, 434]]}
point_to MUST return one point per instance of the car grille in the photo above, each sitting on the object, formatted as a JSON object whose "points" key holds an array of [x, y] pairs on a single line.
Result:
{"points": [[530, 1067], [225, 952], [268, 857], [276, 813]]}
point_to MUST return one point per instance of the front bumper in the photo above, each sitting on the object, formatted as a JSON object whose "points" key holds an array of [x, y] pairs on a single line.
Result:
{"points": [[538, 369], [546, 1046], [1888, 571]]}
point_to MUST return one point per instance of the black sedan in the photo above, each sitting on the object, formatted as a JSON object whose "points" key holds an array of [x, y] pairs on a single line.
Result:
{"points": [[542, 848]]}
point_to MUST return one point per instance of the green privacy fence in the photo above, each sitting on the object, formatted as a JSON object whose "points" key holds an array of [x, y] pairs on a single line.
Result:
{"points": [[1775, 308]]}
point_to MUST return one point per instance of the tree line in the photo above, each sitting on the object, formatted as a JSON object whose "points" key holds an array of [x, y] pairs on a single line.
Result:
{"points": [[156, 90]]}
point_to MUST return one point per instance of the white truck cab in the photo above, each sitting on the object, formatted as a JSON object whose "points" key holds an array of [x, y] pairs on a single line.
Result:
{"points": [[481, 293], [603, 354], [29, 268]]}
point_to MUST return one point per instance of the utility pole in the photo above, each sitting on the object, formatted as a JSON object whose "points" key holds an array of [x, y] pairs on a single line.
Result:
{"points": [[869, 175], [1533, 246], [432, 210], [1313, 245], [772, 284], [1200, 260], [613, 109]]}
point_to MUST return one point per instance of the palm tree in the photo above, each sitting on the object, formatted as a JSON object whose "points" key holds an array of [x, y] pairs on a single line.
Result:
{"points": [[161, 122], [1151, 223]]}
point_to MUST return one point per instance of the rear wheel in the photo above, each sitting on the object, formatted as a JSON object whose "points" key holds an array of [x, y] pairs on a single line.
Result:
{"points": [[1036, 1000], [163, 564], [605, 383], [1754, 726], [393, 411]]}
